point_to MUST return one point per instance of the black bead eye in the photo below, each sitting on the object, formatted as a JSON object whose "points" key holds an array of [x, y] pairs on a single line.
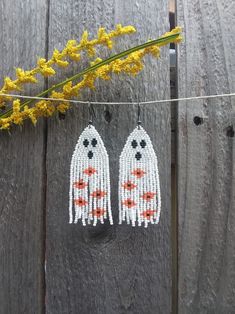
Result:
{"points": [[90, 154], [134, 144], [85, 142], [143, 143], [138, 155], [94, 142]]}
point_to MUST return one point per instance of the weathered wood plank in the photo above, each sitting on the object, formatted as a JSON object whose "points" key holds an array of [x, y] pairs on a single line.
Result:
{"points": [[206, 159], [107, 269], [22, 38]]}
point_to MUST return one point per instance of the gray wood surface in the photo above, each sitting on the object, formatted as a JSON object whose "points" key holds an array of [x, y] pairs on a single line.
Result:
{"points": [[106, 269], [206, 159], [22, 37], [119, 269]]}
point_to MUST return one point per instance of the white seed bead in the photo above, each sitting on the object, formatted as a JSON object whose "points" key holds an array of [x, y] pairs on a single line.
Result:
{"points": [[89, 154], [138, 165]]}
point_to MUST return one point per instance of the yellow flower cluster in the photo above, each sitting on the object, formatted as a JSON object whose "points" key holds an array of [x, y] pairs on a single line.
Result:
{"points": [[131, 65], [43, 108], [71, 51], [175, 30]]}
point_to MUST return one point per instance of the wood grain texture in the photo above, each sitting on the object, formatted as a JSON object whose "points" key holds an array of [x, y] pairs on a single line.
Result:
{"points": [[206, 158], [22, 38], [106, 269]]}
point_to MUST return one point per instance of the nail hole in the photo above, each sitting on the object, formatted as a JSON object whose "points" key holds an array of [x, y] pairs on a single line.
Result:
{"points": [[230, 131], [3, 107], [197, 120], [107, 116], [61, 116]]}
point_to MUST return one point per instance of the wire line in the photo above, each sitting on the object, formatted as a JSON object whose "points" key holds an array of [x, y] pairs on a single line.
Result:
{"points": [[119, 103]]}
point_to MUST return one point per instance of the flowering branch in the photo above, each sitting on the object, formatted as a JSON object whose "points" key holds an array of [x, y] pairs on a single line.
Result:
{"points": [[129, 62]]}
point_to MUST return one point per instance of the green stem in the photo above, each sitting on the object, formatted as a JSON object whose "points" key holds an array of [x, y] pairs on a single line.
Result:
{"points": [[163, 40]]}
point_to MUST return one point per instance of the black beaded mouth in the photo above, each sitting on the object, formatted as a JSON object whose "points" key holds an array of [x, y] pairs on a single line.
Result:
{"points": [[138, 156], [90, 154]]}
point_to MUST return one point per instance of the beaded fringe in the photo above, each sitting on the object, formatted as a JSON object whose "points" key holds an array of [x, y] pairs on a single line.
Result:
{"points": [[89, 195], [139, 186]]}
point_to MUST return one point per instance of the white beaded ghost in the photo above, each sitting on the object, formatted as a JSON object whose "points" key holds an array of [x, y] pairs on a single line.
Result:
{"points": [[139, 186], [89, 195]]}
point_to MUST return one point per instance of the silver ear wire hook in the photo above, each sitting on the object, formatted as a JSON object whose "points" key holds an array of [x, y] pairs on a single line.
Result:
{"points": [[91, 113], [138, 120]]}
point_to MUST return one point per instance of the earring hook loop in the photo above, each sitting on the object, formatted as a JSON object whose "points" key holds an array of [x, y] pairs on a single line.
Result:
{"points": [[91, 113], [138, 119]]}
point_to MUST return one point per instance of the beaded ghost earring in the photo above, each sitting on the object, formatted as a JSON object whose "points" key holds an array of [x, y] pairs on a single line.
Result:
{"points": [[139, 186], [89, 195]]}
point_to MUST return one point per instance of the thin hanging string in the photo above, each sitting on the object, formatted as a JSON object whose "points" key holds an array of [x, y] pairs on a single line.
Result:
{"points": [[120, 103]]}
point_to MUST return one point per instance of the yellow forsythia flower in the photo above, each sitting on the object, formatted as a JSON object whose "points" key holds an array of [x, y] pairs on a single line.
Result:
{"points": [[58, 95], [16, 105], [25, 76], [71, 50], [122, 30], [44, 68], [44, 108], [104, 38], [117, 66], [57, 58], [10, 85], [88, 45], [63, 107], [17, 119], [175, 30], [154, 50], [89, 80], [30, 114], [103, 71], [68, 90], [5, 124]]}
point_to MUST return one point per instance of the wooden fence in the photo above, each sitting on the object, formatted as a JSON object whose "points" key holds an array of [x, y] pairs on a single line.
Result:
{"points": [[186, 264]]}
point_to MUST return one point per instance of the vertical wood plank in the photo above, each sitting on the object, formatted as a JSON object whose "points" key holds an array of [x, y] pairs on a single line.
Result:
{"points": [[206, 158], [22, 38], [107, 269]]}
